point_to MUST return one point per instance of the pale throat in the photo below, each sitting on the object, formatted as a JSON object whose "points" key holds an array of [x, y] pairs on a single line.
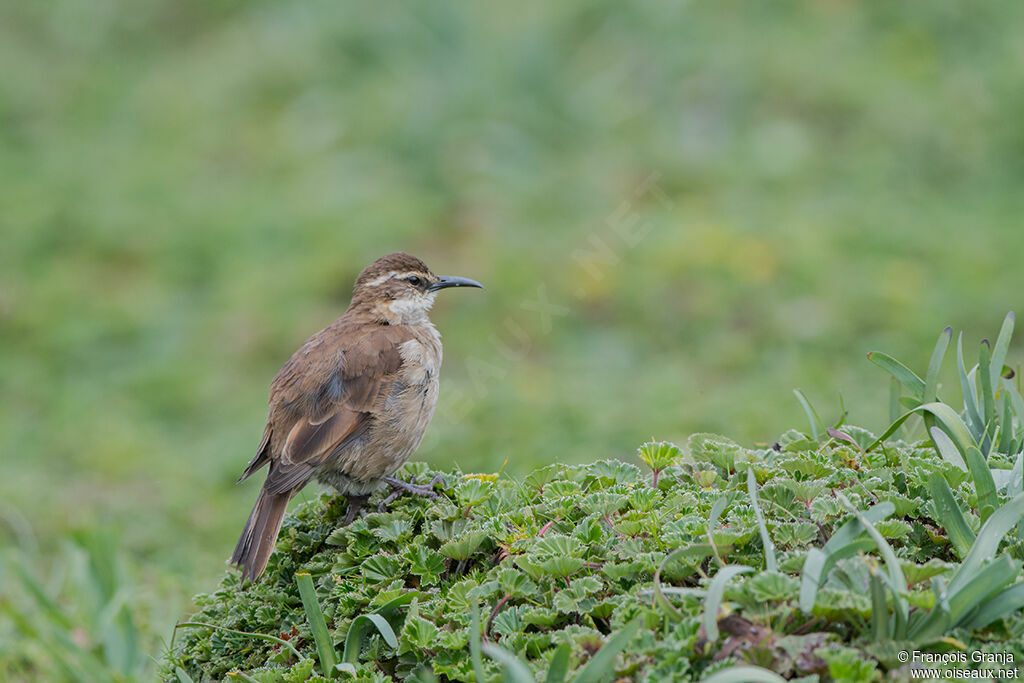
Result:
{"points": [[411, 310]]}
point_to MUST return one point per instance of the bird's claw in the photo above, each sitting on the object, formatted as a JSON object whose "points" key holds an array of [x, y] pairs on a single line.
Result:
{"points": [[355, 503], [400, 487]]}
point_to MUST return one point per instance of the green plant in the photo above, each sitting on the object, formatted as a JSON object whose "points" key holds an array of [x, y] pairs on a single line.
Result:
{"points": [[658, 455], [581, 570], [989, 427], [79, 621]]}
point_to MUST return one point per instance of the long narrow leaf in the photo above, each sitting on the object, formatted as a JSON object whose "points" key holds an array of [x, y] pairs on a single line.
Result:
{"points": [[947, 449], [892, 564], [716, 590], [817, 426], [906, 376], [988, 400], [744, 674], [894, 399], [931, 382], [559, 666], [981, 587], [969, 390], [357, 630], [601, 665], [317, 624], [716, 511], [766, 540], [984, 484], [260, 636], [474, 642], [927, 628], [1016, 484], [1006, 602], [816, 566], [1015, 398], [659, 592], [988, 540], [879, 610], [952, 423], [1001, 347], [1006, 426], [35, 589], [950, 516], [852, 529], [845, 542], [514, 668]]}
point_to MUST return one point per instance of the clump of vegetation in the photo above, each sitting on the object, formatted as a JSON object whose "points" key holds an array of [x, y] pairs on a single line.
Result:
{"points": [[823, 556]]}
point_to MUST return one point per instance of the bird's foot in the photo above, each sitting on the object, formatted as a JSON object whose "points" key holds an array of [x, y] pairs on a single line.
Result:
{"points": [[400, 487], [355, 503]]}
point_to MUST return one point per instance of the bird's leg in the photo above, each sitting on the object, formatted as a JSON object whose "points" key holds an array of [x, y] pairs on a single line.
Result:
{"points": [[355, 503], [400, 487]]}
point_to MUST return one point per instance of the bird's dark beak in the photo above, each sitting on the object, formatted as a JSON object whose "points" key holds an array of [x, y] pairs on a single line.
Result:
{"points": [[446, 281]]}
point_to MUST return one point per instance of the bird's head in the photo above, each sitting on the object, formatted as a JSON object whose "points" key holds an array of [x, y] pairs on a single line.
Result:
{"points": [[399, 289]]}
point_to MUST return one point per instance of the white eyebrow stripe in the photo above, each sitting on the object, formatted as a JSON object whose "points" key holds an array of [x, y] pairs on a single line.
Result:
{"points": [[381, 279]]}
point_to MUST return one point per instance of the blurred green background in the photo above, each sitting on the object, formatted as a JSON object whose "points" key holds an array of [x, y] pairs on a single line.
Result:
{"points": [[723, 200]]}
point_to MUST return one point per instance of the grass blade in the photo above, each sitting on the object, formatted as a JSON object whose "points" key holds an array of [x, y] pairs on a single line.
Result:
{"points": [[904, 375], [182, 675], [817, 426], [852, 529], [988, 540], [474, 642], [1016, 484], [814, 571], [931, 382], [744, 674], [1006, 426], [659, 593], [356, 631], [950, 516], [929, 627], [1000, 349], [984, 484], [988, 400], [317, 624], [969, 390], [1015, 398], [559, 666], [981, 587], [716, 511], [260, 636], [766, 540], [716, 591], [879, 610], [1006, 602], [818, 565], [601, 665], [892, 564], [894, 399], [953, 425], [947, 449], [514, 668]]}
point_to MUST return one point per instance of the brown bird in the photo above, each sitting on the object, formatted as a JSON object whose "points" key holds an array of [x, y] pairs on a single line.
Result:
{"points": [[352, 404]]}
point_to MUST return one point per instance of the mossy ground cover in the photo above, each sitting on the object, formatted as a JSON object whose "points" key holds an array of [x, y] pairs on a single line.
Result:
{"points": [[706, 565]]}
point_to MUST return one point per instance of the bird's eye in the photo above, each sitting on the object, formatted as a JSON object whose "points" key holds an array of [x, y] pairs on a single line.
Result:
{"points": [[414, 280]]}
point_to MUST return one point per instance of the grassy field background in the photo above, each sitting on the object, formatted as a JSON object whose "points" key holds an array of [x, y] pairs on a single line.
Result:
{"points": [[682, 211]]}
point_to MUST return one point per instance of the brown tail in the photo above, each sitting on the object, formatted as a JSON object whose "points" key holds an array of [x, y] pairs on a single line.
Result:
{"points": [[260, 534]]}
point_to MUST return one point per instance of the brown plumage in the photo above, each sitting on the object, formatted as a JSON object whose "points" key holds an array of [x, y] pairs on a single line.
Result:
{"points": [[352, 404]]}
